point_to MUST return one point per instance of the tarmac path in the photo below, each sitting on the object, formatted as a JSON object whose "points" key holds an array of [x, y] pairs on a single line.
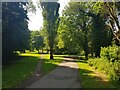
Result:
{"points": [[63, 76]]}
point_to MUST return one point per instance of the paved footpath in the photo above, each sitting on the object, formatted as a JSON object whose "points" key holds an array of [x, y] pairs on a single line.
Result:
{"points": [[64, 76]]}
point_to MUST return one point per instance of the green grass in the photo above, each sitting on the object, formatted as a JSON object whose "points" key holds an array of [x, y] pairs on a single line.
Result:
{"points": [[16, 72], [20, 70], [49, 65], [91, 78]]}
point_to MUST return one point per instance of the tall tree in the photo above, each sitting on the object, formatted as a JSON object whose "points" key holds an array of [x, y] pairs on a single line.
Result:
{"points": [[80, 22], [84, 26], [38, 42], [50, 15], [15, 34], [99, 31], [112, 15]]}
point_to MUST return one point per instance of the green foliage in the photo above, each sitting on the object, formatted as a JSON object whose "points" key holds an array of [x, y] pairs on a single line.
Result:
{"points": [[111, 53], [109, 63], [51, 21], [90, 78], [112, 13], [36, 40], [15, 34], [73, 29], [81, 28], [99, 32], [44, 34]]}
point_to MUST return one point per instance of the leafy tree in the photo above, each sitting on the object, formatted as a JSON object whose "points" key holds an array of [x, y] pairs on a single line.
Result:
{"points": [[44, 34], [15, 34], [83, 27], [77, 26], [38, 42], [99, 30], [112, 12], [50, 15]]}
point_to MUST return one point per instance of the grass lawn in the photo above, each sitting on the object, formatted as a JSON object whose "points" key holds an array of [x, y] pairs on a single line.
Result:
{"points": [[19, 70], [16, 72], [49, 65], [91, 78]]}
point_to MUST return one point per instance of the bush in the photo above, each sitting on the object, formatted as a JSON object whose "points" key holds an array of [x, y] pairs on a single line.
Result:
{"points": [[112, 53], [109, 63]]}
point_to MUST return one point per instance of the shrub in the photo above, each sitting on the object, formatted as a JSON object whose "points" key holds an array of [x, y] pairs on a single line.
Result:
{"points": [[109, 63], [112, 53]]}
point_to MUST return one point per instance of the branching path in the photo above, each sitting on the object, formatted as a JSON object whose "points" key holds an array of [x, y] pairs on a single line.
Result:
{"points": [[64, 76]]}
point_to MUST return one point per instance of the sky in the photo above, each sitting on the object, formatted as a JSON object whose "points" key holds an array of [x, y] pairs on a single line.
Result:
{"points": [[36, 19]]}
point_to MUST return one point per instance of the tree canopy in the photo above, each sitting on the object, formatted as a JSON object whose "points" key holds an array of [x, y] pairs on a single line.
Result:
{"points": [[84, 29], [83, 26], [50, 15], [15, 33]]}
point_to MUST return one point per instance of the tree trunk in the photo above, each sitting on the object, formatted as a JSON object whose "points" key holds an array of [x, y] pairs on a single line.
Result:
{"points": [[51, 43], [91, 52], [86, 56], [85, 45], [24, 51], [51, 53], [42, 49], [47, 51], [97, 52], [38, 51]]}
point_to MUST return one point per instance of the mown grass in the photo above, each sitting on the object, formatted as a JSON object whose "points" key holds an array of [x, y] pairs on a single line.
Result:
{"points": [[91, 78], [17, 72], [50, 64]]}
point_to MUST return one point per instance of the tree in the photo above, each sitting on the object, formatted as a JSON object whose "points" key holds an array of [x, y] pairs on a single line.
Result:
{"points": [[73, 31], [50, 15], [99, 30], [112, 12], [15, 34], [44, 34], [83, 27], [38, 42]]}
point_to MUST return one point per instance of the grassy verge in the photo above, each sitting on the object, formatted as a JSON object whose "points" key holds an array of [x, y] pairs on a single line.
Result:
{"points": [[49, 65], [16, 72], [19, 70], [91, 78]]}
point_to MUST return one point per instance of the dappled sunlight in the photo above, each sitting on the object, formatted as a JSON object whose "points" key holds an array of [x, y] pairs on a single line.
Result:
{"points": [[30, 54], [69, 64], [74, 40], [17, 72], [25, 67], [91, 78]]}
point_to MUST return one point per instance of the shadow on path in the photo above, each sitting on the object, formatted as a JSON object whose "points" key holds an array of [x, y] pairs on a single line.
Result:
{"points": [[63, 76]]}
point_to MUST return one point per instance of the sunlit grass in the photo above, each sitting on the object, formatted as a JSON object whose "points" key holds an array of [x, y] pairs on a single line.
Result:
{"points": [[31, 54], [50, 64], [92, 79], [18, 71]]}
